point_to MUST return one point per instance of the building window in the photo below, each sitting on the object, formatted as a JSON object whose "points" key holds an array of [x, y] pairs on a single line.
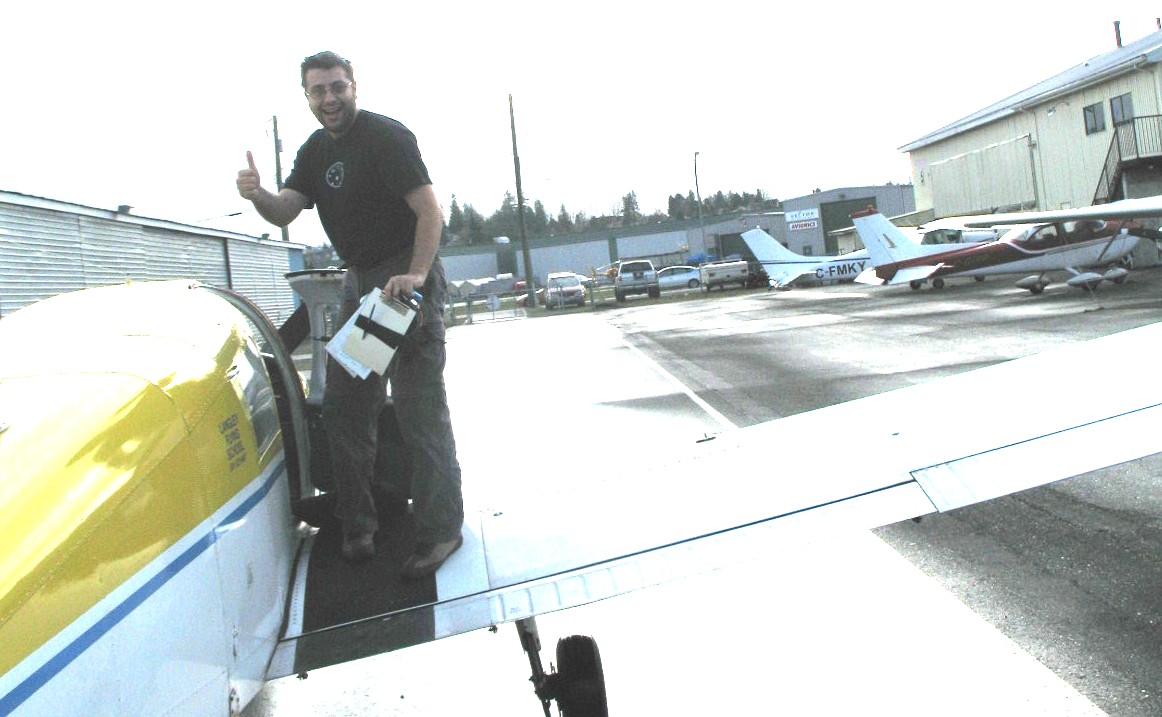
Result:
{"points": [[1095, 118], [1121, 109]]}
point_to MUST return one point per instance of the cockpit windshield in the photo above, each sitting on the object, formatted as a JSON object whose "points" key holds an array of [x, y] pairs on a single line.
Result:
{"points": [[1017, 233], [1042, 237]]}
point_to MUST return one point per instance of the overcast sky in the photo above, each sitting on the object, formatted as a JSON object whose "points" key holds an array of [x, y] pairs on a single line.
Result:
{"points": [[152, 106]]}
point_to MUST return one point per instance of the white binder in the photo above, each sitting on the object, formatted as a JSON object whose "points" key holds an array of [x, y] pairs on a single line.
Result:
{"points": [[369, 339]]}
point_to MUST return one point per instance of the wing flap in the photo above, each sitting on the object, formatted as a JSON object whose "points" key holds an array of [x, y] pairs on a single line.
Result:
{"points": [[699, 554]]}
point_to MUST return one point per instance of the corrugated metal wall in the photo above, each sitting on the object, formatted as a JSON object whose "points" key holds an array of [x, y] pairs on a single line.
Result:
{"points": [[177, 254], [40, 255], [994, 177], [993, 165], [256, 272], [48, 248]]}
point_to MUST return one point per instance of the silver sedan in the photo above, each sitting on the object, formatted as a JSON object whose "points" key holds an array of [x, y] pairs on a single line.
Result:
{"points": [[679, 277]]}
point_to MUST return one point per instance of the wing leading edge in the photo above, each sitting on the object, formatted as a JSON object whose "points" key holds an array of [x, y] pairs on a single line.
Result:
{"points": [[1139, 208], [759, 489]]}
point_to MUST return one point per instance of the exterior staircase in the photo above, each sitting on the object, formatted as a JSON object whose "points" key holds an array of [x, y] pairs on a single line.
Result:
{"points": [[1133, 141]]}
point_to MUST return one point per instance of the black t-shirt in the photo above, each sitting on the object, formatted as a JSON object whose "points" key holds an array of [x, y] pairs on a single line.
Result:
{"points": [[358, 183]]}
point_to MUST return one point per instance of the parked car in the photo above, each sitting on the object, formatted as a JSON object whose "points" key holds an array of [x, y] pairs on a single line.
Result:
{"points": [[679, 277], [563, 288], [636, 277], [585, 280]]}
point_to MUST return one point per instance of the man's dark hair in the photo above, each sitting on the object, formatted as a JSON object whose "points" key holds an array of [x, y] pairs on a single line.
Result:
{"points": [[325, 61]]}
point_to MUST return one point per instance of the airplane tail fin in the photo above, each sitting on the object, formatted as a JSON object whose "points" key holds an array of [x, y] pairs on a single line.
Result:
{"points": [[781, 264], [885, 243], [768, 250]]}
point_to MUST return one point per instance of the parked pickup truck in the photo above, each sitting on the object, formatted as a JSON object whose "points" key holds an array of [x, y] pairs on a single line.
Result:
{"points": [[721, 273], [636, 277]]}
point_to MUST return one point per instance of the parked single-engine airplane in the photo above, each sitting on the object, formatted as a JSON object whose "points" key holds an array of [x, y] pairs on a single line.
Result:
{"points": [[1071, 240], [156, 448], [784, 266]]}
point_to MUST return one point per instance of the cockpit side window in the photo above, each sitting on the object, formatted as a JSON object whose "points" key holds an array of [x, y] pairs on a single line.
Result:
{"points": [[1046, 237], [1084, 228], [259, 394]]}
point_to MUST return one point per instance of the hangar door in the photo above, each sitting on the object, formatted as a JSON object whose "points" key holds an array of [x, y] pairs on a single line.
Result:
{"points": [[837, 215], [995, 177]]}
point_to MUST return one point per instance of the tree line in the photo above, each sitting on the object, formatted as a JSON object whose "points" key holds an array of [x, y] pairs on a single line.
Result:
{"points": [[465, 225]]}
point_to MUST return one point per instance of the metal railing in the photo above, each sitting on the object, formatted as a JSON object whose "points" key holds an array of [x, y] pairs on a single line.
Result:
{"points": [[1140, 138]]}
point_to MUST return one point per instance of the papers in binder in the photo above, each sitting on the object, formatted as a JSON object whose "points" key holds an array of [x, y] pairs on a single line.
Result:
{"points": [[368, 340]]}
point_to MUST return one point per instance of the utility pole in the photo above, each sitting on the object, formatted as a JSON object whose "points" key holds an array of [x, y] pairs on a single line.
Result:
{"points": [[531, 301], [698, 194], [278, 170]]}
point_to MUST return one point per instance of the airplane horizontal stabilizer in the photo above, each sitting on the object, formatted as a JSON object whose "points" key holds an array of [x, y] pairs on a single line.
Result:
{"points": [[912, 273], [783, 274], [901, 276]]}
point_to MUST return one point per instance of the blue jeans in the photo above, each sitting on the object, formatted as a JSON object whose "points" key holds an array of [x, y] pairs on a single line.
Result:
{"points": [[352, 406]]}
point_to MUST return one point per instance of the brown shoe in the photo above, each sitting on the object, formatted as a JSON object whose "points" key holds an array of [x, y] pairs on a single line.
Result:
{"points": [[427, 558], [359, 547]]}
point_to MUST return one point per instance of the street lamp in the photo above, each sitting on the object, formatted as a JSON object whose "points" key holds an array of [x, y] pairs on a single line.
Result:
{"points": [[698, 194]]}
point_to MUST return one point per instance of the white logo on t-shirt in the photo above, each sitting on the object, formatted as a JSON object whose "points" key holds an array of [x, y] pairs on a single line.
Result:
{"points": [[335, 175]]}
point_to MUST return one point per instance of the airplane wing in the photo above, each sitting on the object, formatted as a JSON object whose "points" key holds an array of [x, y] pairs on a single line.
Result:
{"points": [[1124, 209], [740, 495]]}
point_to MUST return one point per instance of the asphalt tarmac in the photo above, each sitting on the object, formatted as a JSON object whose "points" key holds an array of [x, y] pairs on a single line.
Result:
{"points": [[1044, 603], [1071, 571]]}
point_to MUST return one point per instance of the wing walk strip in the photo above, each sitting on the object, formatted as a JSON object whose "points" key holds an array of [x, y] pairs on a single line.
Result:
{"points": [[105, 617]]}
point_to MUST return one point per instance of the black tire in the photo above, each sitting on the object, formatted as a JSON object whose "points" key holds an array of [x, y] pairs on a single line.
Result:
{"points": [[655, 293], [938, 283], [1037, 288], [582, 687], [693, 283], [978, 278], [915, 285]]}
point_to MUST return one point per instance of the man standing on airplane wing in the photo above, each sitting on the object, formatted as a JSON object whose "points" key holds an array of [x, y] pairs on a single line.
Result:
{"points": [[377, 205]]}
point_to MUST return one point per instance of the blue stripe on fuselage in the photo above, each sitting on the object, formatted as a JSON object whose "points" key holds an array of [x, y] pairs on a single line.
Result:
{"points": [[61, 660]]}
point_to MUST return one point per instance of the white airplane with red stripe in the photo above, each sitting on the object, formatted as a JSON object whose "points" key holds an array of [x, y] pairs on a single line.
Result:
{"points": [[784, 266], [1089, 244]]}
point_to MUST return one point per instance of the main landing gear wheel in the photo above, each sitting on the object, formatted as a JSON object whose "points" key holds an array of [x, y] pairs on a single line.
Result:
{"points": [[578, 685], [581, 681], [938, 283]]}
